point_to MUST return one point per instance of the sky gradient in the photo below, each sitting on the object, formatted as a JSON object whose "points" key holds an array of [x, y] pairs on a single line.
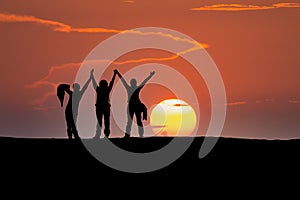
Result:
{"points": [[255, 45]]}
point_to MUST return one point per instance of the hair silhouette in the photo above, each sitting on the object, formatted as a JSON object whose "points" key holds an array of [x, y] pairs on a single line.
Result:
{"points": [[135, 106], [61, 92], [71, 110], [103, 104]]}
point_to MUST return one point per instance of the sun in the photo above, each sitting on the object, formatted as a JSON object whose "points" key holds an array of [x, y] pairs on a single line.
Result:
{"points": [[173, 117]]}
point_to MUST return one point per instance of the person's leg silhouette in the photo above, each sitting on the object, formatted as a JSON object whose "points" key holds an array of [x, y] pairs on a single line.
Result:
{"points": [[130, 113], [74, 129], [99, 113], [75, 133], [98, 130], [107, 121], [69, 120], [71, 130], [139, 122]]}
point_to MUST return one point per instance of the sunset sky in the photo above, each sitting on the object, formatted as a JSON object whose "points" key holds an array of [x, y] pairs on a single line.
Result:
{"points": [[255, 45]]}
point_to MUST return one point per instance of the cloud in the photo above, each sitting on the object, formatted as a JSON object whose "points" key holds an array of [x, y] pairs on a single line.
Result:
{"points": [[232, 7], [179, 104], [270, 100], [40, 102], [287, 5], [153, 59], [236, 103], [54, 25], [56, 71], [66, 28], [263, 101], [57, 26], [294, 101], [245, 7], [129, 1], [49, 81], [62, 27], [166, 35]]}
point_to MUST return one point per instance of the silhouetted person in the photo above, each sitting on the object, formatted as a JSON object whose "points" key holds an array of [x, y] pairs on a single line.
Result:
{"points": [[135, 106], [103, 104], [71, 111]]}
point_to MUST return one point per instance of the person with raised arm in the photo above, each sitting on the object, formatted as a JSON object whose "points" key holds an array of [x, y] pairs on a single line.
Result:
{"points": [[135, 106], [71, 110], [103, 103]]}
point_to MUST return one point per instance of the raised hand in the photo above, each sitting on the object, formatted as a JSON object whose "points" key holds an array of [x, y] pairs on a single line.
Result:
{"points": [[118, 73], [152, 73], [91, 73]]}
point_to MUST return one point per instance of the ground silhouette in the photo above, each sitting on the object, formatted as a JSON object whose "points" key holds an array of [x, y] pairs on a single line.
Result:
{"points": [[53, 165], [229, 155]]}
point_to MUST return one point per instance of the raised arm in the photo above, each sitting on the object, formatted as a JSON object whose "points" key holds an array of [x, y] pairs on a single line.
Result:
{"points": [[111, 83], [93, 79], [122, 79], [147, 79], [85, 85]]}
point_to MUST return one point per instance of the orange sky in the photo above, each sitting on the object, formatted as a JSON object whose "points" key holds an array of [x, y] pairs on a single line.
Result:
{"points": [[255, 45]]}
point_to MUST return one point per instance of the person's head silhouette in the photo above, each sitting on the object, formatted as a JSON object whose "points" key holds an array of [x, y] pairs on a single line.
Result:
{"points": [[103, 84], [76, 87], [133, 82]]}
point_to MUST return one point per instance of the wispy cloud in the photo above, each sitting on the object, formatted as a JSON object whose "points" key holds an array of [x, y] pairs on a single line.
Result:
{"points": [[294, 101], [245, 7], [179, 104], [232, 7], [264, 100], [57, 26], [129, 1], [167, 35], [54, 25], [39, 102], [269, 100], [66, 28], [236, 103], [48, 79], [287, 5]]}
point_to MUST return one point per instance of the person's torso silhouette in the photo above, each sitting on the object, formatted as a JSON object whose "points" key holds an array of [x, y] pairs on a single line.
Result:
{"points": [[134, 94], [73, 102], [103, 96]]}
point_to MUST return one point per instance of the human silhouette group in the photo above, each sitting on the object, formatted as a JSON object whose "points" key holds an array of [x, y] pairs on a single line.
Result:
{"points": [[134, 108]]}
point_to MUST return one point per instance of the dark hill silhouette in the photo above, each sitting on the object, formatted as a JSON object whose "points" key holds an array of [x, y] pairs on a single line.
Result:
{"points": [[237, 160]]}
